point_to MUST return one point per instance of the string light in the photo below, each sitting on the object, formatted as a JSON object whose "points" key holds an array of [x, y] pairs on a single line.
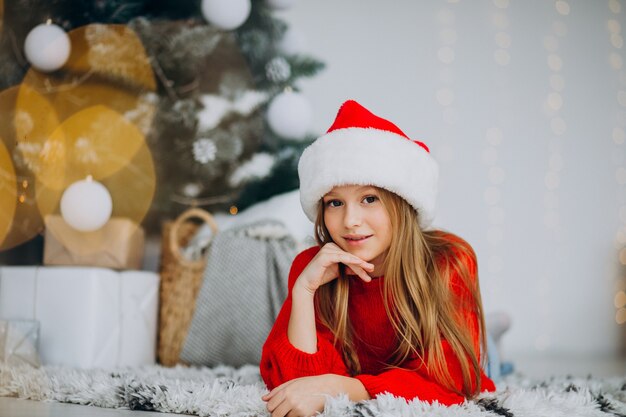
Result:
{"points": [[615, 60], [444, 94], [620, 299], [494, 136]]}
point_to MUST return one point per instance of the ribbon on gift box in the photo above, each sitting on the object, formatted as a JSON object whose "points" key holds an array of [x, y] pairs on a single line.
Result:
{"points": [[18, 342]]}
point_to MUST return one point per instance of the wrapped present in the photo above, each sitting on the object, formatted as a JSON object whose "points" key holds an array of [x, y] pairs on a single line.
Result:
{"points": [[118, 244], [89, 317], [18, 342]]}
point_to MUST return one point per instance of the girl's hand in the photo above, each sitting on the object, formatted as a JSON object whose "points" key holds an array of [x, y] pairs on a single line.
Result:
{"points": [[307, 396], [297, 398], [324, 267]]}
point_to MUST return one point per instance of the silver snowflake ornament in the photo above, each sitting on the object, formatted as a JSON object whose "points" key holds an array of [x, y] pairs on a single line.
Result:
{"points": [[204, 150], [278, 70]]}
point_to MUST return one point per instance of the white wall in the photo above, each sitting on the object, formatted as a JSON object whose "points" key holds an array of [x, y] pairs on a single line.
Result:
{"points": [[523, 104]]}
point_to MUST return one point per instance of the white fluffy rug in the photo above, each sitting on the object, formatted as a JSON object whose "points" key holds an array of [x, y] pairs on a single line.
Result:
{"points": [[225, 391]]}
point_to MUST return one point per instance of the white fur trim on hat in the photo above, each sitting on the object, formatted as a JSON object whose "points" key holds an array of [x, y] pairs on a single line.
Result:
{"points": [[366, 156]]}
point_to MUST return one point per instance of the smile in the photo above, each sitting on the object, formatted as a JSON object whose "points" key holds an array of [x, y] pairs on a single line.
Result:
{"points": [[356, 240]]}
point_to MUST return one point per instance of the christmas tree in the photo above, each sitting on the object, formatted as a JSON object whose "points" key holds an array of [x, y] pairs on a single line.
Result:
{"points": [[207, 88]]}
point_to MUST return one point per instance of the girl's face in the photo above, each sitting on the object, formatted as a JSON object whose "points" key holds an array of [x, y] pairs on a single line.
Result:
{"points": [[359, 223]]}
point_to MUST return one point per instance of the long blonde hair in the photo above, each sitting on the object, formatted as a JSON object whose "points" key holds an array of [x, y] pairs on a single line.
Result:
{"points": [[417, 298]]}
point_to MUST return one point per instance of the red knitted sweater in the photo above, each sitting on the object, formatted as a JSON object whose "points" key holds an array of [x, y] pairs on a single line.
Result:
{"points": [[374, 342]]}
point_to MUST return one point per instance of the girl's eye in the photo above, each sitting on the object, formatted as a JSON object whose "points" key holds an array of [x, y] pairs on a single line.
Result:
{"points": [[370, 199], [333, 203]]}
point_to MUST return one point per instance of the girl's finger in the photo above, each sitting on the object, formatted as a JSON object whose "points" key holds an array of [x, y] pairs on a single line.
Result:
{"points": [[348, 258], [282, 410], [277, 389], [274, 403], [360, 272], [367, 266], [350, 271], [333, 249], [270, 394], [360, 262]]}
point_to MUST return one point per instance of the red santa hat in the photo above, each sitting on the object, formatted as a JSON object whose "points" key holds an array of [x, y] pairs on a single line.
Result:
{"points": [[363, 149]]}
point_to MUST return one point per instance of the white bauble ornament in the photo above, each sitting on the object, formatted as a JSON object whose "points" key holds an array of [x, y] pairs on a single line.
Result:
{"points": [[47, 47], [226, 14], [280, 4], [293, 42], [86, 205], [289, 115]]}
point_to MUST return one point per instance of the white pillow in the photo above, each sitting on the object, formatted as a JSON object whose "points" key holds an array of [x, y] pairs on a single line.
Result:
{"points": [[285, 208]]}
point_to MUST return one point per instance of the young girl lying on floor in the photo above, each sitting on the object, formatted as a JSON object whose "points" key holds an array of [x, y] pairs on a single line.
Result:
{"points": [[383, 303]]}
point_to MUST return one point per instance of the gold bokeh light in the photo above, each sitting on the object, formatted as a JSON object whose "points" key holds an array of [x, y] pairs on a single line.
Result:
{"points": [[111, 51], [26, 222], [8, 192], [91, 118], [101, 143], [108, 66], [34, 121], [97, 141]]}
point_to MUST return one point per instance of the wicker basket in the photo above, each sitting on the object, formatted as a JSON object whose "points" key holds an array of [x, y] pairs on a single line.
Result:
{"points": [[180, 282]]}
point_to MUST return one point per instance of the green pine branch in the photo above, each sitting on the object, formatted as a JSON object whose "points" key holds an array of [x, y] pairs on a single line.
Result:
{"points": [[304, 66]]}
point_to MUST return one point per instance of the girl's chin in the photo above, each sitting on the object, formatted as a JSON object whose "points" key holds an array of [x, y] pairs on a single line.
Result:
{"points": [[361, 253]]}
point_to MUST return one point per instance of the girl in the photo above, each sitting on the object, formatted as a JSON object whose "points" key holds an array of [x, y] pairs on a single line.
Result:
{"points": [[382, 304]]}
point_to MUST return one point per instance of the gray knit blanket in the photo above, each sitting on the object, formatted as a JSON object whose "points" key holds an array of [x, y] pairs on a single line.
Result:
{"points": [[243, 289], [226, 391]]}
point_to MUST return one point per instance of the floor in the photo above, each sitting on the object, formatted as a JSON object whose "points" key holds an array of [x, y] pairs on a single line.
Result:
{"points": [[530, 365], [540, 366], [11, 407]]}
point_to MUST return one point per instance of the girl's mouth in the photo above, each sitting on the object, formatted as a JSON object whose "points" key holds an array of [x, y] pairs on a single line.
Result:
{"points": [[356, 240]]}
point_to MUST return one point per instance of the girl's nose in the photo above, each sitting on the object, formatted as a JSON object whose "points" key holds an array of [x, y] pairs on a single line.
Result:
{"points": [[353, 216]]}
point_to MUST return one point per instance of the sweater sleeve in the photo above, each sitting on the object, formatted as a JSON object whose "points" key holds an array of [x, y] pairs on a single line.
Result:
{"points": [[409, 385], [413, 380], [280, 360]]}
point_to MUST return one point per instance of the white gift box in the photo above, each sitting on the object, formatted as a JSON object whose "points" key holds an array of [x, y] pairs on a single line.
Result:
{"points": [[89, 317]]}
